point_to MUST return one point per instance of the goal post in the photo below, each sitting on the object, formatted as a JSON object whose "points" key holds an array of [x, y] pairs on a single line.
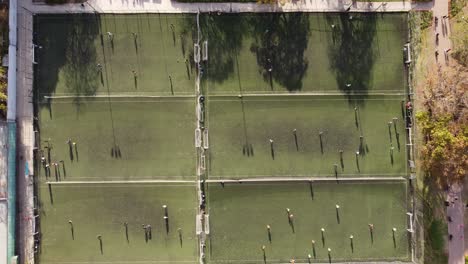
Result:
{"points": [[207, 224], [198, 225], [196, 53], [205, 50], [197, 138], [205, 139], [202, 162]]}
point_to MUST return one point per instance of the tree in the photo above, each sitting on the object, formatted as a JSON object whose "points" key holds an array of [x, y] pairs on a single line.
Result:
{"points": [[444, 126], [3, 92], [3, 50]]}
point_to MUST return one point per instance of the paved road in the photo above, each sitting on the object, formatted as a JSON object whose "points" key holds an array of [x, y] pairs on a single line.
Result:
{"points": [[465, 201], [456, 226]]}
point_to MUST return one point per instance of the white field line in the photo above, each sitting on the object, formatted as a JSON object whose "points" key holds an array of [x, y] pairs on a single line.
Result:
{"points": [[123, 262], [307, 93], [319, 176], [218, 95], [396, 260], [117, 96], [120, 182], [300, 100], [313, 179], [127, 101], [122, 178]]}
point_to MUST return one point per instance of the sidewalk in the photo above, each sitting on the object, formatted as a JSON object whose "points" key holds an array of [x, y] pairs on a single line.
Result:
{"points": [[442, 28], [168, 6], [3, 193], [25, 135], [456, 226], [456, 210]]}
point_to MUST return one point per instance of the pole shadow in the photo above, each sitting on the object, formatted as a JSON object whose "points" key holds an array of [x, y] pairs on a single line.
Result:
{"points": [[99, 237], [341, 160], [272, 150], [338, 220], [76, 152], [321, 141], [295, 139], [311, 189], [50, 194], [126, 232], [181, 241]]}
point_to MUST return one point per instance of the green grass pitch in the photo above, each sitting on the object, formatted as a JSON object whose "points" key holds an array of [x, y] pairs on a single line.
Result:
{"points": [[240, 130], [73, 46], [154, 137], [102, 209], [122, 87], [309, 53], [256, 205]]}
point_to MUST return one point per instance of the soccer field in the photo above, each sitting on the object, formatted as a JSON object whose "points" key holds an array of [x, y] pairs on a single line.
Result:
{"points": [[241, 129], [280, 105], [145, 54], [102, 209], [120, 138], [313, 205], [308, 53]]}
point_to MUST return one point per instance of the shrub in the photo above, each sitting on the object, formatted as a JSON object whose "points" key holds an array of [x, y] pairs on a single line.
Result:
{"points": [[426, 19], [456, 6]]}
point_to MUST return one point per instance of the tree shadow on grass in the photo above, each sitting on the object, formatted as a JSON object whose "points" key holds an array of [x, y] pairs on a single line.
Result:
{"points": [[225, 34], [50, 57], [279, 44], [432, 197], [81, 73], [351, 52], [67, 46]]}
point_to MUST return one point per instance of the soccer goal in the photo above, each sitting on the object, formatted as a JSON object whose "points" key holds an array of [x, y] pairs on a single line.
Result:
{"points": [[197, 138], [196, 53], [207, 224], [205, 139], [205, 50]]}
